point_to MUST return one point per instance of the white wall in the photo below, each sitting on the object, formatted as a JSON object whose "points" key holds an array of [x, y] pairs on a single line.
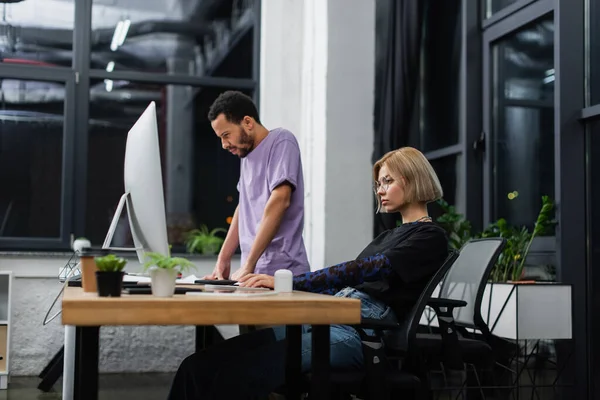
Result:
{"points": [[317, 79]]}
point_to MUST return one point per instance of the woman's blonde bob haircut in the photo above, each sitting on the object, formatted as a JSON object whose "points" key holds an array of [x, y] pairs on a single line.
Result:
{"points": [[409, 167]]}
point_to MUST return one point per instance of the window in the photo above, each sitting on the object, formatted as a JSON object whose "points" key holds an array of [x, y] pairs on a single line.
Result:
{"points": [[199, 178], [37, 32], [493, 6], [64, 124], [440, 65], [197, 38], [593, 58], [523, 122], [448, 171], [31, 158]]}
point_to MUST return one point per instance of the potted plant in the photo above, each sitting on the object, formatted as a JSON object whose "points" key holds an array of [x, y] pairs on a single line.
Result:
{"points": [[163, 272], [203, 241], [109, 276], [511, 264]]}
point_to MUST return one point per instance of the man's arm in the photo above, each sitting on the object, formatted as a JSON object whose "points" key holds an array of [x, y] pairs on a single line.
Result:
{"points": [[232, 240], [278, 203], [231, 243]]}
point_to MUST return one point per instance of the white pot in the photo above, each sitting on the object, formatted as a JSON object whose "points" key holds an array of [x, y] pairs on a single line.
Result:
{"points": [[163, 281], [79, 244]]}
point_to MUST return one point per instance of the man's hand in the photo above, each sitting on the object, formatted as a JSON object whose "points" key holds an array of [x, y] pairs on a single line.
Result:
{"points": [[221, 271], [253, 280], [240, 273]]}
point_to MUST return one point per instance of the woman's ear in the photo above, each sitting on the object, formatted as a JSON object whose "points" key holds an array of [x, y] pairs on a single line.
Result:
{"points": [[402, 182]]}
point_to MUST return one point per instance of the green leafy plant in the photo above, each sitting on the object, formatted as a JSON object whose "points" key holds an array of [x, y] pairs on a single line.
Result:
{"points": [[203, 241], [457, 227], [167, 262], [511, 263], [110, 263]]}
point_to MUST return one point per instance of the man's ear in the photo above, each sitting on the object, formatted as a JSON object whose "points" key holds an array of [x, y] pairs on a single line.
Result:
{"points": [[248, 122]]}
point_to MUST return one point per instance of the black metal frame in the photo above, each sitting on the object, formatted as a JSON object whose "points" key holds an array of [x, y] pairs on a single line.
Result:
{"points": [[570, 190], [64, 76], [469, 123], [593, 280], [570, 178], [470, 112], [503, 13], [499, 30], [76, 117]]}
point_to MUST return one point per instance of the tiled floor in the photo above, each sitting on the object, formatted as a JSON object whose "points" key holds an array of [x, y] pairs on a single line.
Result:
{"points": [[112, 387]]}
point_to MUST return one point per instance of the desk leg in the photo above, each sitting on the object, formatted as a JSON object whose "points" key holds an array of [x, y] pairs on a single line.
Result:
{"points": [[206, 336], [293, 361], [321, 368], [69, 362], [86, 362]]}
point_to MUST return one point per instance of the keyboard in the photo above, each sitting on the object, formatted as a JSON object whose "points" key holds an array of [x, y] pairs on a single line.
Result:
{"points": [[215, 282], [148, 290]]}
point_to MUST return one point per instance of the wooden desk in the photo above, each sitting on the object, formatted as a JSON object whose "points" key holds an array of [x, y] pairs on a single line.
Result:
{"points": [[88, 312]]}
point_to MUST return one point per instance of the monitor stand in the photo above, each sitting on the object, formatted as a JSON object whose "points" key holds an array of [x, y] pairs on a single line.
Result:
{"points": [[125, 200]]}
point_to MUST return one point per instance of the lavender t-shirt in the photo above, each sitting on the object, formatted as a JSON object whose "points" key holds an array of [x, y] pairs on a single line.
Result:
{"points": [[274, 161]]}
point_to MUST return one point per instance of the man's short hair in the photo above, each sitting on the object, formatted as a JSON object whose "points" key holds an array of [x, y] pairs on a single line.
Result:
{"points": [[235, 106], [421, 182]]}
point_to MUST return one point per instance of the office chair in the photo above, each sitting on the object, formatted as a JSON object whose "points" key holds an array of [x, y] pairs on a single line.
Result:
{"points": [[465, 281], [390, 356]]}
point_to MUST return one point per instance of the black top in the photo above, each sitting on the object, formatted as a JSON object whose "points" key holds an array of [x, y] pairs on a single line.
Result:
{"points": [[393, 268]]}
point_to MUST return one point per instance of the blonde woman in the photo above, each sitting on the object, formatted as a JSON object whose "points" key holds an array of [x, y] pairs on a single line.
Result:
{"points": [[387, 276]]}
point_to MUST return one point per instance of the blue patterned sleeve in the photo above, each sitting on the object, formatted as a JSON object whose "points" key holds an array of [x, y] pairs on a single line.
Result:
{"points": [[350, 273]]}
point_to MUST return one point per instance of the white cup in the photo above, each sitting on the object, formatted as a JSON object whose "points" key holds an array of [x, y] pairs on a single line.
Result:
{"points": [[284, 281]]}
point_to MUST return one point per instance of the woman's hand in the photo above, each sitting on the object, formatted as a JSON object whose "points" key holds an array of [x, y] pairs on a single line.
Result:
{"points": [[254, 280]]}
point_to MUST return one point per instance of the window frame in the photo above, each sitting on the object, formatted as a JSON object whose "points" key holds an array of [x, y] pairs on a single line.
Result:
{"points": [[533, 12], [76, 118], [469, 123], [67, 77], [502, 13]]}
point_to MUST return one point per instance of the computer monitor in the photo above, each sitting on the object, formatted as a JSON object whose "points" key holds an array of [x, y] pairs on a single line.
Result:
{"points": [[143, 195]]}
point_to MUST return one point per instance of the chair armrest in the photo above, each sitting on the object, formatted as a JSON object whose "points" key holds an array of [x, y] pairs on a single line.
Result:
{"points": [[444, 309], [377, 324], [435, 301]]}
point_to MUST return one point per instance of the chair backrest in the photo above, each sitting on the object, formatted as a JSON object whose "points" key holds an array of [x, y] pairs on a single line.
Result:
{"points": [[467, 278], [402, 339]]}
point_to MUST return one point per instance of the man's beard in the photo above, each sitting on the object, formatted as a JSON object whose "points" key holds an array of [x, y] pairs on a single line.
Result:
{"points": [[245, 139]]}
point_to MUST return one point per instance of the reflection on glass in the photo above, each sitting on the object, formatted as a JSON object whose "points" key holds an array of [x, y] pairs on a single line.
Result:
{"points": [[448, 171], [440, 75], [38, 32], [593, 187], [199, 178], [493, 6], [31, 142], [523, 123], [196, 38], [593, 58]]}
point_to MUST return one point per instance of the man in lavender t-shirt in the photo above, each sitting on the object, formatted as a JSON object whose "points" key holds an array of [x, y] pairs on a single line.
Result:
{"points": [[269, 219]]}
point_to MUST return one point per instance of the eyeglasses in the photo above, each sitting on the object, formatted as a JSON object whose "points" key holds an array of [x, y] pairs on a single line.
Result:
{"points": [[384, 184]]}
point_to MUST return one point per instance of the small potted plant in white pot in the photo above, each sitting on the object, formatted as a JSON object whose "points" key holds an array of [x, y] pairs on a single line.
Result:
{"points": [[163, 272], [109, 276]]}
